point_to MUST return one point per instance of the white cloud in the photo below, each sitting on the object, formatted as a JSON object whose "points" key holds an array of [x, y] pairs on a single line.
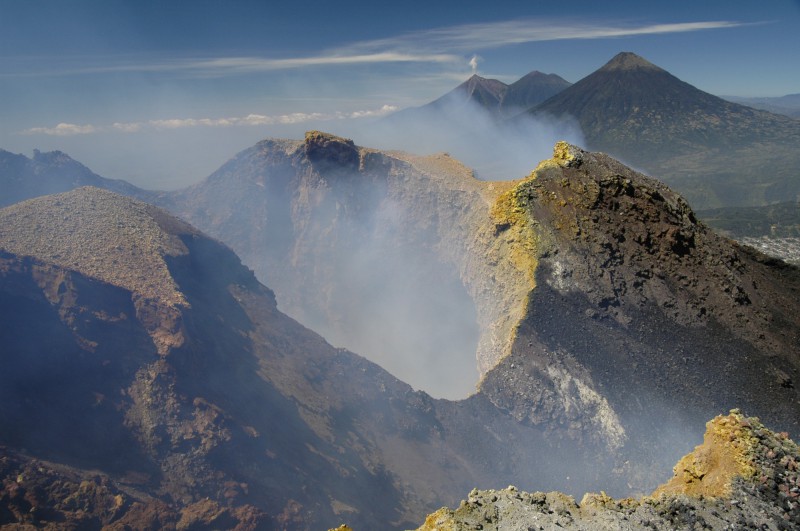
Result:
{"points": [[127, 127], [257, 64], [469, 37], [224, 66], [64, 129], [386, 109]]}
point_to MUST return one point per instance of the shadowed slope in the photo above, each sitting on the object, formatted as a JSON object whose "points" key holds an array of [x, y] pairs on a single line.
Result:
{"points": [[245, 409], [49, 173]]}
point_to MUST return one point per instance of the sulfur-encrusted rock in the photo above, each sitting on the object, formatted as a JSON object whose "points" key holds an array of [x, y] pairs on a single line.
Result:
{"points": [[743, 476]]}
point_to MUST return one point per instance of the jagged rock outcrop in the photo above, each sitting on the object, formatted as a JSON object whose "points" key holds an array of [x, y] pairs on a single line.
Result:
{"points": [[743, 476], [38, 494], [329, 151]]}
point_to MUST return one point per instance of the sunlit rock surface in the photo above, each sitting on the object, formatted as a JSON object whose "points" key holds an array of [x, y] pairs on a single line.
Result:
{"points": [[743, 476]]}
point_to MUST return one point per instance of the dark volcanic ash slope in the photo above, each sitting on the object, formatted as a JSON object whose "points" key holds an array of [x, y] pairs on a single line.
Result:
{"points": [[639, 303]]}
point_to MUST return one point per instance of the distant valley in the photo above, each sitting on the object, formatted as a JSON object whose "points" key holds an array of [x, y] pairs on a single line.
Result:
{"points": [[788, 105]]}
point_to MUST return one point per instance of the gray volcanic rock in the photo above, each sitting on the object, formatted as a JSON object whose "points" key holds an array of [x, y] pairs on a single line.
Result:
{"points": [[742, 477]]}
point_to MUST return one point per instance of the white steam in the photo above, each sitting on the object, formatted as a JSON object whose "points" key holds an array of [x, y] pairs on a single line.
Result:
{"points": [[496, 148], [473, 63]]}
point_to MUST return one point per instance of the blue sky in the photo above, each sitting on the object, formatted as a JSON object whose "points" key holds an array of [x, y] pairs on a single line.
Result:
{"points": [[162, 93]]}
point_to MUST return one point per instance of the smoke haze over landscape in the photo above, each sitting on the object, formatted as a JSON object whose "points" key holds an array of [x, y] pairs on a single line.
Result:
{"points": [[263, 267], [496, 149]]}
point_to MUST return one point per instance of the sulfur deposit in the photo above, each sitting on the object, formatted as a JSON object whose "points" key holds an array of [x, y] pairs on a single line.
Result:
{"points": [[743, 476]]}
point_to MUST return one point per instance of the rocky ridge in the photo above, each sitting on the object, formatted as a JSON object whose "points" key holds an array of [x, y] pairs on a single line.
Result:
{"points": [[114, 239], [742, 476], [630, 290]]}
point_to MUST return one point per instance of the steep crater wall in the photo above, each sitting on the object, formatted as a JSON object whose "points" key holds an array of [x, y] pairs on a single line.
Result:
{"points": [[392, 255], [597, 306]]}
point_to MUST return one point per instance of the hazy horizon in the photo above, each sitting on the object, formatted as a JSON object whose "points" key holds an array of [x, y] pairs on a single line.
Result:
{"points": [[162, 95]]}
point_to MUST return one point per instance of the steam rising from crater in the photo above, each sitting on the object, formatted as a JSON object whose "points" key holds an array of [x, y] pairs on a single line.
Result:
{"points": [[496, 147]]}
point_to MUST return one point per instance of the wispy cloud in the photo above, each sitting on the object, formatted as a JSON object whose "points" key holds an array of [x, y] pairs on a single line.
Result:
{"points": [[445, 45], [255, 64], [62, 129], [67, 129], [471, 37], [225, 66]]}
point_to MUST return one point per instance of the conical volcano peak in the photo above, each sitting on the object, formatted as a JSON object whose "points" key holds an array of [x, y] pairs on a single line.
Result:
{"points": [[475, 82], [475, 79], [629, 61]]}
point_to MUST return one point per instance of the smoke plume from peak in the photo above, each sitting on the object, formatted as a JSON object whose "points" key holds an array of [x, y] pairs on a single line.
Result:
{"points": [[473, 63]]}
